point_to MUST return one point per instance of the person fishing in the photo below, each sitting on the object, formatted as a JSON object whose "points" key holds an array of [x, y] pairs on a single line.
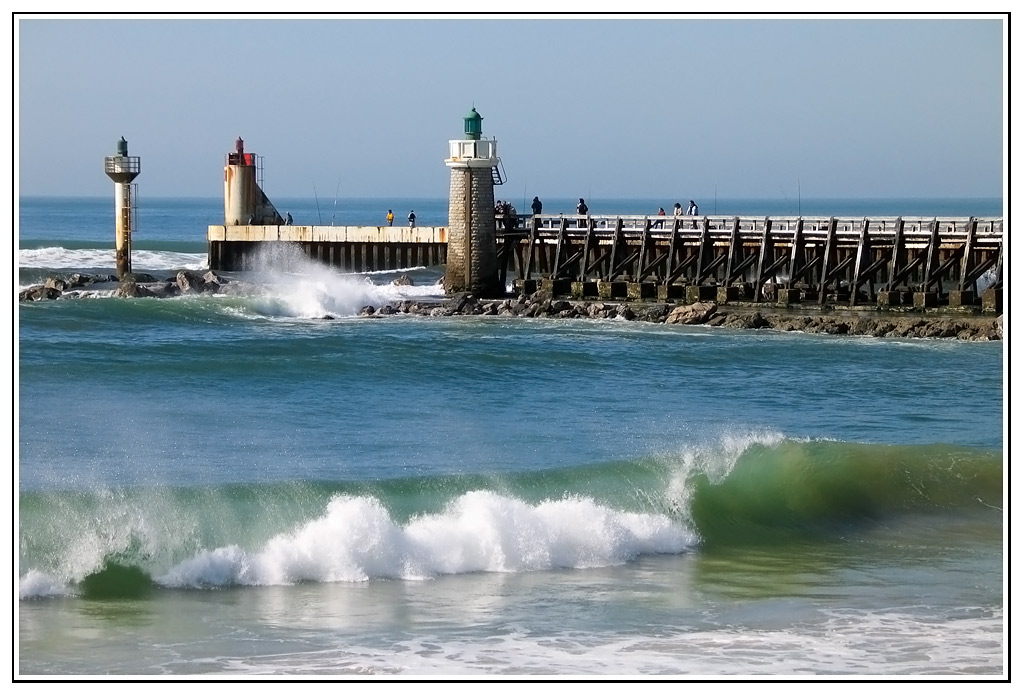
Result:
{"points": [[582, 209]]}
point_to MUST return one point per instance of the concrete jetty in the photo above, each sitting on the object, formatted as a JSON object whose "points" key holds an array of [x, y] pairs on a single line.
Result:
{"points": [[358, 249]]}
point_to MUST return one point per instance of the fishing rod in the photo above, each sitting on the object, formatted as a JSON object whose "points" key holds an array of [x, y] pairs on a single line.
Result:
{"points": [[317, 203], [336, 189]]}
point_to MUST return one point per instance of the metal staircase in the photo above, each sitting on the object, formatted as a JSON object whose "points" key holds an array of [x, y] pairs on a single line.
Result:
{"points": [[498, 173]]}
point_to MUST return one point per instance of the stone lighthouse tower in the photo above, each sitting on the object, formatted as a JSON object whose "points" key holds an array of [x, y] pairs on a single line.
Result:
{"points": [[472, 251]]}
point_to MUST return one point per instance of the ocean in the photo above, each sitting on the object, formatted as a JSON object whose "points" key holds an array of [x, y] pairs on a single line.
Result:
{"points": [[233, 487]]}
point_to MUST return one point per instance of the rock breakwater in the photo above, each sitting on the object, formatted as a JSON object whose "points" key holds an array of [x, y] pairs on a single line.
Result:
{"points": [[961, 327], [964, 327]]}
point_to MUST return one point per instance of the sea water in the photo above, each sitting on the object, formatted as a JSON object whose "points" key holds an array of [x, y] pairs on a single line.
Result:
{"points": [[235, 486]]}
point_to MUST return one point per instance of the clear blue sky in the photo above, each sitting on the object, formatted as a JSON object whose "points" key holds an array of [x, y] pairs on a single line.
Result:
{"points": [[658, 106]]}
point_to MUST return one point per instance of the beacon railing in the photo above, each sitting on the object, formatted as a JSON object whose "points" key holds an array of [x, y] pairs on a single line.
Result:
{"points": [[850, 259], [121, 164], [472, 149]]}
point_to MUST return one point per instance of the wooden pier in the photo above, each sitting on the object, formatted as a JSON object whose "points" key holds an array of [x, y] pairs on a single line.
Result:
{"points": [[825, 261], [886, 262]]}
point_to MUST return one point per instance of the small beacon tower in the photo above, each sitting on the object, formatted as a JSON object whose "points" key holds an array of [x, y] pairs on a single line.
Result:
{"points": [[244, 200], [472, 264], [123, 169]]}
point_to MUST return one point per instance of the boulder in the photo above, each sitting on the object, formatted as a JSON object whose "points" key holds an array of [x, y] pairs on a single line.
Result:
{"points": [[653, 313], [165, 289], [194, 281], [213, 282], [130, 288], [190, 281], [696, 313], [403, 279], [461, 303], [58, 284], [79, 280], [38, 292]]}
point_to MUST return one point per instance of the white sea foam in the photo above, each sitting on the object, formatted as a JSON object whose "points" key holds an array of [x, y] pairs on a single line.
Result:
{"points": [[293, 286], [889, 643], [35, 583], [59, 258], [356, 540], [323, 292]]}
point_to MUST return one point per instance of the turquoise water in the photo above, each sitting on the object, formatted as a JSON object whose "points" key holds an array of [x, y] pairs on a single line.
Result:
{"points": [[234, 486]]}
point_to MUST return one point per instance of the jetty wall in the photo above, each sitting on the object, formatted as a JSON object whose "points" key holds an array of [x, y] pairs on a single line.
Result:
{"points": [[358, 249]]}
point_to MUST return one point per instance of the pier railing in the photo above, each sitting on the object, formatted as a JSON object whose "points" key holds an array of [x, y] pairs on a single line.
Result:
{"points": [[919, 261]]}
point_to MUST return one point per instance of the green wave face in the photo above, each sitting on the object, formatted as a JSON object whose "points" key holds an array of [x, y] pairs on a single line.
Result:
{"points": [[798, 488]]}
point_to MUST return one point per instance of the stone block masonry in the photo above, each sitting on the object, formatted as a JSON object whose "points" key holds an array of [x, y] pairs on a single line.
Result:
{"points": [[472, 250]]}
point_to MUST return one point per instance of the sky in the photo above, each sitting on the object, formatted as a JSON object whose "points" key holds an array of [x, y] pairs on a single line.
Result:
{"points": [[610, 106]]}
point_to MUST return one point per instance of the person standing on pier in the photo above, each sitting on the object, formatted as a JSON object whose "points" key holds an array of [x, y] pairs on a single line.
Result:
{"points": [[287, 218], [582, 209], [412, 218], [678, 210], [693, 210], [391, 218], [537, 206], [660, 223]]}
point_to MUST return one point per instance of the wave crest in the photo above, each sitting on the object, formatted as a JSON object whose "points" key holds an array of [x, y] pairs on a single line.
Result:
{"points": [[356, 540]]}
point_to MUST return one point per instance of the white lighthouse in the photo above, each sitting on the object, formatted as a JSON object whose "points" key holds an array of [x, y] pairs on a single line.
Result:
{"points": [[472, 260], [123, 169]]}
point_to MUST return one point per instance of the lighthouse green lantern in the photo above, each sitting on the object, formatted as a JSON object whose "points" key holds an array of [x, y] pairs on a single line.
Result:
{"points": [[473, 127]]}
